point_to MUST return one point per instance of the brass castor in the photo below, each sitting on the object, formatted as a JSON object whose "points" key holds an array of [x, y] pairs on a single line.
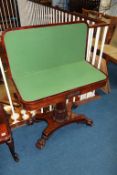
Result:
{"points": [[89, 122]]}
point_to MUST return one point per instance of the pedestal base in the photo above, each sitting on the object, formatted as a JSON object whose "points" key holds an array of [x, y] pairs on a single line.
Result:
{"points": [[59, 120]]}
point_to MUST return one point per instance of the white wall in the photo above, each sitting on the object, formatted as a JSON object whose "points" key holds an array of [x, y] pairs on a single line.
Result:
{"points": [[23, 11], [60, 3], [55, 2], [27, 10], [113, 9]]}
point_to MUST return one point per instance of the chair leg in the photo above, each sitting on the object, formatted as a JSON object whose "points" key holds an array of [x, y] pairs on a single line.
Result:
{"points": [[11, 147], [57, 119]]}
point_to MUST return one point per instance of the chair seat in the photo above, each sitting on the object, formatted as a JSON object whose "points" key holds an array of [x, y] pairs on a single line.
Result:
{"points": [[36, 85], [109, 49], [113, 57]]}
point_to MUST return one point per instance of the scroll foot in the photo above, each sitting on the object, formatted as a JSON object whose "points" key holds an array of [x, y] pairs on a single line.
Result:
{"points": [[41, 142]]}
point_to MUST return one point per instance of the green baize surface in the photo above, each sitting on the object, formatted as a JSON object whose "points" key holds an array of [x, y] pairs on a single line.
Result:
{"points": [[49, 60]]}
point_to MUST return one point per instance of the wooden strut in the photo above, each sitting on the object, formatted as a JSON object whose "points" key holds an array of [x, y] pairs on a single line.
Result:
{"points": [[61, 115]]}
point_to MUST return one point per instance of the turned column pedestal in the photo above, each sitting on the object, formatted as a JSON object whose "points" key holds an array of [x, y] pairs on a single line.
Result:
{"points": [[61, 115]]}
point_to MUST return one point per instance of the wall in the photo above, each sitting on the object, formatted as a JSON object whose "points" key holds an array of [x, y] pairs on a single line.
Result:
{"points": [[26, 9], [61, 3], [23, 11], [113, 9]]}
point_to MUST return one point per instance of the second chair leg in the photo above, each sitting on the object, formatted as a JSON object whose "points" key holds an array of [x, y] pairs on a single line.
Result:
{"points": [[11, 147]]}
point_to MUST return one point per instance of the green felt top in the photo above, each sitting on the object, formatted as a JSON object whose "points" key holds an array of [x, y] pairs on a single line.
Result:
{"points": [[50, 60], [34, 86], [37, 49]]}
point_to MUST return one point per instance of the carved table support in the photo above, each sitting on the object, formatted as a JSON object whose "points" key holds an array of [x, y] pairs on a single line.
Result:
{"points": [[61, 116]]}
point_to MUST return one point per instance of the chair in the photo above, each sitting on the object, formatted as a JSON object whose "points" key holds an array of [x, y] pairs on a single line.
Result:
{"points": [[110, 48], [6, 135], [91, 13], [48, 67]]}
